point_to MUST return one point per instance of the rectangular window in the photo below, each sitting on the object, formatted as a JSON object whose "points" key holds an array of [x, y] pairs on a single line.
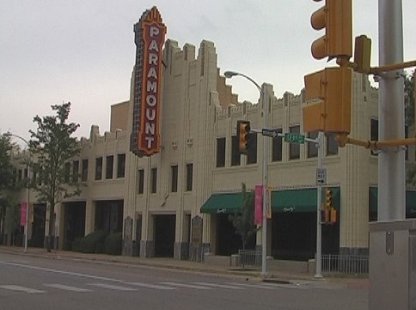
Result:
{"points": [[220, 152], [277, 147], [312, 150], [189, 176], [98, 168], [252, 148], [153, 180], [140, 181], [294, 148], [331, 144], [19, 175], [75, 170], [26, 175], [121, 165], [14, 177], [374, 133], [235, 154], [174, 179], [41, 177], [34, 177], [109, 164], [67, 169], [84, 171]]}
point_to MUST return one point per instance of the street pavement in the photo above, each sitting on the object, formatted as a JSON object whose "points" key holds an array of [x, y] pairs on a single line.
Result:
{"points": [[67, 281], [281, 276]]}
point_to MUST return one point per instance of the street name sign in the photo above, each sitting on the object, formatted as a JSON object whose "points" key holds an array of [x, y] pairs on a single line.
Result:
{"points": [[294, 138]]}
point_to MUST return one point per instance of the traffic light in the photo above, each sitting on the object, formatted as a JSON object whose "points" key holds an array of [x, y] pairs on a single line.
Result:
{"points": [[336, 18], [243, 134], [328, 199], [328, 96], [332, 216], [362, 54], [329, 213]]}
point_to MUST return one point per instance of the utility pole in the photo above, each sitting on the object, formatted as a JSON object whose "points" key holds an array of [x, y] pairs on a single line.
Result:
{"points": [[265, 173], [318, 266], [391, 161]]}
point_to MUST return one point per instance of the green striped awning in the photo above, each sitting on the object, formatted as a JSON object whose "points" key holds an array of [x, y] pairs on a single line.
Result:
{"points": [[300, 200], [223, 203], [296, 200]]}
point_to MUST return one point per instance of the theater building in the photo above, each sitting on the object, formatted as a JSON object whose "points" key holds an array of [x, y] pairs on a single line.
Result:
{"points": [[175, 201]]}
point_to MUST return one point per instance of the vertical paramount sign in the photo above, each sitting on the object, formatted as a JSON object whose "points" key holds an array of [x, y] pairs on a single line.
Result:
{"points": [[150, 37]]}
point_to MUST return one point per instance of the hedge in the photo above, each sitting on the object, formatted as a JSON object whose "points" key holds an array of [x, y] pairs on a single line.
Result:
{"points": [[93, 242], [99, 242], [113, 244]]}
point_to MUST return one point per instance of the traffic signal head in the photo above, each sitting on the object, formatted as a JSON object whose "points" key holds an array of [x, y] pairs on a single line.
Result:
{"points": [[336, 18], [362, 54], [328, 96], [243, 134], [328, 199]]}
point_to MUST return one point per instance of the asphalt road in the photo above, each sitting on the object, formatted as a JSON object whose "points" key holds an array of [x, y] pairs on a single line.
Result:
{"points": [[31, 283]]}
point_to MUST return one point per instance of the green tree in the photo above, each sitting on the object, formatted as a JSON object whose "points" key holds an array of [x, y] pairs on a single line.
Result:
{"points": [[409, 104], [243, 220], [409, 99], [52, 147], [9, 208], [6, 176], [6, 168]]}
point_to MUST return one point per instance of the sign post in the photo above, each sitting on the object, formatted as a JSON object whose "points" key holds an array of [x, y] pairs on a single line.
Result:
{"points": [[322, 180]]}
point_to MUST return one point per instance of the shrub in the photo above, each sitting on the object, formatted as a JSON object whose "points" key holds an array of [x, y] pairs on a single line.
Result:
{"points": [[93, 242], [113, 244], [76, 245]]}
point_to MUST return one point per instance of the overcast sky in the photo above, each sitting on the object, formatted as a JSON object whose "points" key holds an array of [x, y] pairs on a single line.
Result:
{"points": [[54, 51]]}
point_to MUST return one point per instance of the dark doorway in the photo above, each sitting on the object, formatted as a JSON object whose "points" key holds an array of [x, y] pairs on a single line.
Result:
{"points": [[38, 226], [164, 229], [74, 223], [228, 242], [109, 215], [294, 236]]}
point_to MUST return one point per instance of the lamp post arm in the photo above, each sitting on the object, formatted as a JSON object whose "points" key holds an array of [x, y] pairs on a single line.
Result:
{"points": [[230, 74], [252, 81]]}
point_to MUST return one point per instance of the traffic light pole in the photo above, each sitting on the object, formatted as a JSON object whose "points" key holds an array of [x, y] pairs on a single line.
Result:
{"points": [[391, 163], [265, 173], [318, 258]]}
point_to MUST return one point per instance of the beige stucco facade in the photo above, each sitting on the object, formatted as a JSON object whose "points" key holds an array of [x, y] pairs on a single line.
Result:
{"points": [[198, 107]]}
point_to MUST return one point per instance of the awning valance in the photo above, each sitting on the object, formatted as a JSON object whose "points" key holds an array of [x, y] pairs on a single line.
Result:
{"points": [[223, 203], [296, 200], [301, 200]]}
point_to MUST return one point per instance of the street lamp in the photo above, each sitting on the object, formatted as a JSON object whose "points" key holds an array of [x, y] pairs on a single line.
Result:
{"points": [[27, 188], [230, 74]]}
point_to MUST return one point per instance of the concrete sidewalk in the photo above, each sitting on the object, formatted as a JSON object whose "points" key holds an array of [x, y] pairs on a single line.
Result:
{"points": [[274, 276]]}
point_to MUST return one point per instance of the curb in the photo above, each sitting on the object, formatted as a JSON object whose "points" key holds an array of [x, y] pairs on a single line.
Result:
{"points": [[199, 267]]}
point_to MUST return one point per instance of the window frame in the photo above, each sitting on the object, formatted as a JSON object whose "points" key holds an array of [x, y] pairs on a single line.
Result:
{"points": [[189, 177], [109, 167], [98, 168]]}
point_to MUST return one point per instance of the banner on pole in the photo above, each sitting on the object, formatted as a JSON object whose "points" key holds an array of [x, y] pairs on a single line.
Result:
{"points": [[23, 207], [258, 203]]}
